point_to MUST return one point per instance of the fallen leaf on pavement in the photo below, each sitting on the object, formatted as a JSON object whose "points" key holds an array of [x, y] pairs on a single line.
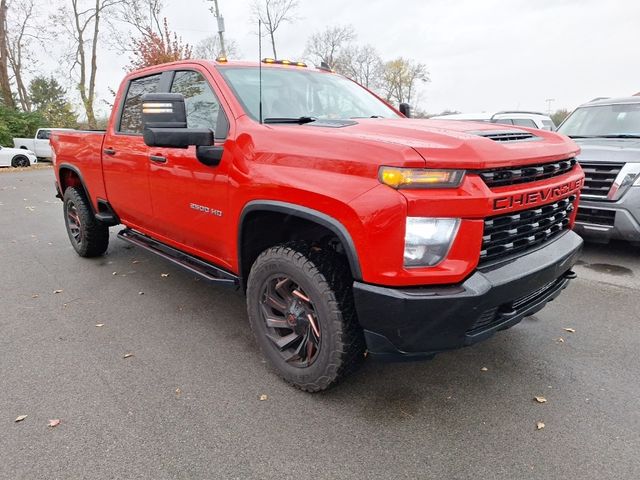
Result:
{"points": [[140, 293], [164, 274], [127, 355], [114, 273], [540, 425], [35, 295], [570, 330], [135, 261], [178, 392], [560, 340], [100, 325], [263, 397], [484, 369], [54, 423], [20, 418], [540, 399], [57, 291]]}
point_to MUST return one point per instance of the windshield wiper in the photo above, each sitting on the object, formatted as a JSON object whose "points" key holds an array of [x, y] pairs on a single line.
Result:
{"points": [[621, 135], [616, 135], [299, 120]]}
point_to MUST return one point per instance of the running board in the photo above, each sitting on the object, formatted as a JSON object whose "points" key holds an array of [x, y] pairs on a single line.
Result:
{"points": [[199, 267]]}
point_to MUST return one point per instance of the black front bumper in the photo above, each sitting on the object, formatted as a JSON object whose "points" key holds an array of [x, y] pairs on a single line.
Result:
{"points": [[419, 322]]}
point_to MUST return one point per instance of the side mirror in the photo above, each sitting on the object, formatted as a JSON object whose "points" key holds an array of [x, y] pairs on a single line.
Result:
{"points": [[164, 120], [405, 109]]}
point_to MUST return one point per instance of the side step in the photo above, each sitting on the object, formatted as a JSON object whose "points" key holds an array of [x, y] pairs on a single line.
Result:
{"points": [[203, 269]]}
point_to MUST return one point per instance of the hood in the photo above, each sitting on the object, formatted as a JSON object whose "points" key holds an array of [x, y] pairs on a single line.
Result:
{"points": [[615, 150], [446, 144]]}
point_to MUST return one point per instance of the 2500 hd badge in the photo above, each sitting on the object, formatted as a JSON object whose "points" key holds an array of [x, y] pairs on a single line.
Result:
{"points": [[549, 193]]}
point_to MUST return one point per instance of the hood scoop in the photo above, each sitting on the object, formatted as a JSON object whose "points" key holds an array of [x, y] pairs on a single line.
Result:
{"points": [[505, 135]]}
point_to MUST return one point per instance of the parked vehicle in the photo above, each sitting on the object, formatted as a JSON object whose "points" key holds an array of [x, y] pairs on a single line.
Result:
{"points": [[15, 157], [608, 131], [515, 117], [350, 227], [39, 144]]}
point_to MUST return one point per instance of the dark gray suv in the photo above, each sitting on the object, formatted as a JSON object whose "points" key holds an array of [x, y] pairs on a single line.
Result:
{"points": [[608, 131]]}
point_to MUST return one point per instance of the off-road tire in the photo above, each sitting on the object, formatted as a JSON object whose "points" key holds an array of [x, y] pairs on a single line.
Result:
{"points": [[93, 238], [325, 277], [20, 161]]}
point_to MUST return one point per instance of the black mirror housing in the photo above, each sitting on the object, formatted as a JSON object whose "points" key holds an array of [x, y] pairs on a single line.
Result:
{"points": [[177, 137], [164, 110], [405, 109], [164, 117]]}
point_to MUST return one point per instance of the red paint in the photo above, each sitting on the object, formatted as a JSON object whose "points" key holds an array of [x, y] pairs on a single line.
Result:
{"points": [[334, 171]]}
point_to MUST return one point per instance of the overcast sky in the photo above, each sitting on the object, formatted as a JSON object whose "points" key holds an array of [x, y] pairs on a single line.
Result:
{"points": [[482, 55]]}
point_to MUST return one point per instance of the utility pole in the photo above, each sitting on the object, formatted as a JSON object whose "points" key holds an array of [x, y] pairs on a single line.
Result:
{"points": [[216, 13], [549, 101]]}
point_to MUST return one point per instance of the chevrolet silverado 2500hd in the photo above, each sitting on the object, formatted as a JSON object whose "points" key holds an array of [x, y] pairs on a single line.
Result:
{"points": [[350, 228]]}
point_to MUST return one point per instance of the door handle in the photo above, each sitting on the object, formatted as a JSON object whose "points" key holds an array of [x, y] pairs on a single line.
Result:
{"points": [[109, 151], [157, 159]]}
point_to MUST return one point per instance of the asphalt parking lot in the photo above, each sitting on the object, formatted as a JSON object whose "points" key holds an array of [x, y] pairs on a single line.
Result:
{"points": [[186, 403]]}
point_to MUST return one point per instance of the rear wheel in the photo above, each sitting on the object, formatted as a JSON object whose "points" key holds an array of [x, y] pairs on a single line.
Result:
{"points": [[20, 161], [89, 236], [301, 311]]}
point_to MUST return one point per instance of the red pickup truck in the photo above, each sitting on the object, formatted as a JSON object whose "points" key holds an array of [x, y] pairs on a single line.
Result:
{"points": [[351, 228]]}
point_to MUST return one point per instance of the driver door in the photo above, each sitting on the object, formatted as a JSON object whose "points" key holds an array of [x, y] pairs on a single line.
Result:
{"points": [[189, 198]]}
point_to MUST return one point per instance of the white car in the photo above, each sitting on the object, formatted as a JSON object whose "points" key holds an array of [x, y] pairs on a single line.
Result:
{"points": [[39, 144], [17, 157], [516, 117]]}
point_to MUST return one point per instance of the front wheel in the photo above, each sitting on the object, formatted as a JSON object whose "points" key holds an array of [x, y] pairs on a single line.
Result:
{"points": [[89, 236], [301, 311]]}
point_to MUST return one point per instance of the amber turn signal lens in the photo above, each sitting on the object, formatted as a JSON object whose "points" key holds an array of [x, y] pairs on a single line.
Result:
{"points": [[420, 177]]}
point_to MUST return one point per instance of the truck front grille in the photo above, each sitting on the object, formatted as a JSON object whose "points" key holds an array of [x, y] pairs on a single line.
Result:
{"points": [[499, 177], [596, 216], [517, 232], [599, 178]]}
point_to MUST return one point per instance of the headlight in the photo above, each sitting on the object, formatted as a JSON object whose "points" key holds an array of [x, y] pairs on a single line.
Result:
{"points": [[420, 177], [427, 240]]}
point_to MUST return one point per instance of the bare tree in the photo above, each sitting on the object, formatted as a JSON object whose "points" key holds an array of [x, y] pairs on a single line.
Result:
{"points": [[400, 77], [143, 17], [19, 38], [362, 64], [5, 83], [273, 13], [210, 48], [327, 45], [82, 22]]}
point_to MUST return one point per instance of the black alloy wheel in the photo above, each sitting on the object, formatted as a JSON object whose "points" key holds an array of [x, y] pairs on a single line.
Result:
{"points": [[291, 321]]}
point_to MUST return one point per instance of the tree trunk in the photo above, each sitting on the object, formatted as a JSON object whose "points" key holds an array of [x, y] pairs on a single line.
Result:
{"points": [[5, 85], [273, 44]]}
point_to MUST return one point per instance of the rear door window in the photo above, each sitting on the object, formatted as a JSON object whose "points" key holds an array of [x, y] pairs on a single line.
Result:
{"points": [[131, 119]]}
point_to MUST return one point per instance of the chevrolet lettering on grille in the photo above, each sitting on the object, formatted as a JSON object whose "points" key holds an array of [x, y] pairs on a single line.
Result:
{"points": [[533, 198]]}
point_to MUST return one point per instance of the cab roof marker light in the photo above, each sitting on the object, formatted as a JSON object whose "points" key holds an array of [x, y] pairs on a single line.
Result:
{"points": [[283, 62], [222, 59]]}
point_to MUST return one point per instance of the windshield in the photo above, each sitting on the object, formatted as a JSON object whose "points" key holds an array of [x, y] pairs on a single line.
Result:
{"points": [[603, 121], [289, 93]]}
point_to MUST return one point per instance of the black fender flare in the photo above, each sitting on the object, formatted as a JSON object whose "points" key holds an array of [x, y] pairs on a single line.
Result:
{"points": [[82, 182], [320, 218]]}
